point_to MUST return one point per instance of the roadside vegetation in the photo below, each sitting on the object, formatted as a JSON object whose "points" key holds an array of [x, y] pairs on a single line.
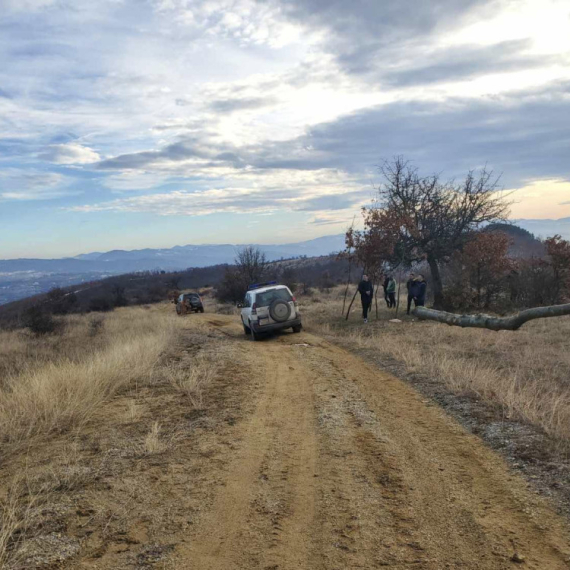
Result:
{"points": [[101, 394], [54, 383], [524, 373]]}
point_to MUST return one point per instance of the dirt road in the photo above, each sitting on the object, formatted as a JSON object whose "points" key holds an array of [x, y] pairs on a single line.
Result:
{"points": [[341, 466]]}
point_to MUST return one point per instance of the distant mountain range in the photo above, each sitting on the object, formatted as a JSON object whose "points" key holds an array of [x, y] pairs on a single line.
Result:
{"points": [[21, 278], [546, 228], [172, 259]]}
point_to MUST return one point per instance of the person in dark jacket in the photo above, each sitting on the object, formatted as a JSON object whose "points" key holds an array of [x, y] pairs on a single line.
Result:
{"points": [[418, 290], [385, 286], [409, 283], [391, 292], [366, 292]]}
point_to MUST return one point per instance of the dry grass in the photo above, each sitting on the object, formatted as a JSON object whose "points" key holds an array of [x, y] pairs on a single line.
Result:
{"points": [[123, 368], [153, 442], [16, 517], [55, 383], [192, 381], [526, 372]]}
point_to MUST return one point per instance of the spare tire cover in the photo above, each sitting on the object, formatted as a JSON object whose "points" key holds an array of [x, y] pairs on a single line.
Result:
{"points": [[279, 310]]}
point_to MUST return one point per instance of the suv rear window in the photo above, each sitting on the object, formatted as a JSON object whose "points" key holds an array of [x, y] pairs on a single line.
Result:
{"points": [[267, 297], [191, 296]]}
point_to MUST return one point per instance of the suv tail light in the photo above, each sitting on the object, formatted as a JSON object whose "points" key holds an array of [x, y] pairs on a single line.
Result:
{"points": [[254, 309]]}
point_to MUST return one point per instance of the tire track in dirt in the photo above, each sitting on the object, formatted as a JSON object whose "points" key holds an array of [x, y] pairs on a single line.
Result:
{"points": [[267, 503], [344, 466]]}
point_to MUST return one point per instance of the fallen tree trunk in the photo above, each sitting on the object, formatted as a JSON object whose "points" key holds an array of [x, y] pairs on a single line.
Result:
{"points": [[493, 323]]}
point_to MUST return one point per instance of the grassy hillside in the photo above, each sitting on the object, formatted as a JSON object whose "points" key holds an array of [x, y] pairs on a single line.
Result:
{"points": [[148, 287]]}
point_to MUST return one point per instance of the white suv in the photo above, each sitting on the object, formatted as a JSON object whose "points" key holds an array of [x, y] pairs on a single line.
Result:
{"points": [[269, 307]]}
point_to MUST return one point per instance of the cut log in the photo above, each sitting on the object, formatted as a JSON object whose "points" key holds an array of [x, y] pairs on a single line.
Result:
{"points": [[512, 323]]}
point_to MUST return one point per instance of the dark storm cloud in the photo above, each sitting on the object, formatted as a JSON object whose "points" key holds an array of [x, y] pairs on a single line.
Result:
{"points": [[184, 150], [524, 135], [461, 62], [390, 42], [360, 29], [231, 104]]}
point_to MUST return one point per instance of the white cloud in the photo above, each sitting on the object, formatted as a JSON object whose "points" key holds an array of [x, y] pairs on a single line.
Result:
{"points": [[27, 185], [70, 153], [251, 192], [251, 79]]}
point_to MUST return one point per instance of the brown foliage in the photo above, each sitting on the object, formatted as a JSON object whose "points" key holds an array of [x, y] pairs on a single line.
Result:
{"points": [[439, 216], [558, 250], [487, 263]]}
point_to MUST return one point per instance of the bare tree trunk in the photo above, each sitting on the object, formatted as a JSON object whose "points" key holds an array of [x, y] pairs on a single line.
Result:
{"points": [[398, 295], [493, 323], [347, 283], [436, 282]]}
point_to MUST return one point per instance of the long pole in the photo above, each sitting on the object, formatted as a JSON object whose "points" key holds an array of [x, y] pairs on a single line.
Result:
{"points": [[347, 281], [375, 293], [354, 296]]}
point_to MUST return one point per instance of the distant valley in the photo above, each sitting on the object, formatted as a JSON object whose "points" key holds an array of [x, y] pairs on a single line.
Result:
{"points": [[21, 278]]}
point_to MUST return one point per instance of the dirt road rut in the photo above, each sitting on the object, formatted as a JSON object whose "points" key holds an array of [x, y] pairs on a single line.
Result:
{"points": [[341, 466]]}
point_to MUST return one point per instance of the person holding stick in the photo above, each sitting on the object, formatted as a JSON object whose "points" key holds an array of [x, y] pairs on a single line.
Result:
{"points": [[409, 284], [418, 291], [366, 291], [391, 292], [385, 286]]}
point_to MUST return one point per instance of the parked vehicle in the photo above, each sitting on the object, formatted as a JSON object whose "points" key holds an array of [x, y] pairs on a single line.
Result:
{"points": [[269, 307], [188, 303]]}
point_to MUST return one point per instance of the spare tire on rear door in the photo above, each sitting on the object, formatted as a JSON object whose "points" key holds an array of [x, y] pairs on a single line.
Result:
{"points": [[279, 310]]}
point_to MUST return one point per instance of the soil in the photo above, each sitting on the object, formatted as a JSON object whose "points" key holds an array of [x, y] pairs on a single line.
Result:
{"points": [[305, 457]]}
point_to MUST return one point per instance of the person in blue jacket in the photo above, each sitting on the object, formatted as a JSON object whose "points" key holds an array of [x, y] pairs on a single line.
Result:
{"points": [[366, 292], [418, 291]]}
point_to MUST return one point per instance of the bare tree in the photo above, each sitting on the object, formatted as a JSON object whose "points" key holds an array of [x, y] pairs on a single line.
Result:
{"points": [[439, 215], [251, 264], [348, 253], [174, 281]]}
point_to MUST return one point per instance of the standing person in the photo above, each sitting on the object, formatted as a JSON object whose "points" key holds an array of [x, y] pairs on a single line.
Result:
{"points": [[420, 291], [385, 286], [391, 292], [409, 284], [366, 292]]}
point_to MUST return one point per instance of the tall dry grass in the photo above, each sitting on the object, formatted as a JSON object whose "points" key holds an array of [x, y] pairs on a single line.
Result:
{"points": [[526, 372], [55, 383]]}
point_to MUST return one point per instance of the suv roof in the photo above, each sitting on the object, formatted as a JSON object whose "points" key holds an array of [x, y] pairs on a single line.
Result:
{"points": [[267, 288]]}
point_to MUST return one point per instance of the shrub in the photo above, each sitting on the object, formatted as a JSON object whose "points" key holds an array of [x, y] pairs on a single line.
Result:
{"points": [[39, 321], [62, 302], [100, 304]]}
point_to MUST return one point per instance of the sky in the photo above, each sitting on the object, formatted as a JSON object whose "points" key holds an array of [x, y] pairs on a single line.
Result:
{"points": [[152, 123]]}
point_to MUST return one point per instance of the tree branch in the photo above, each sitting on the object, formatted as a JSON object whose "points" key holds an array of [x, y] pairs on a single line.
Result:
{"points": [[493, 323]]}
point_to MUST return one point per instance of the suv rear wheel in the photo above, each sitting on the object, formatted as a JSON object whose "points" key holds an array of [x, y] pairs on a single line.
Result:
{"points": [[297, 329], [254, 335], [246, 329]]}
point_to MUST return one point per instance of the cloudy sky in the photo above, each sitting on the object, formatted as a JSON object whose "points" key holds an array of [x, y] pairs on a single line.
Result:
{"points": [[151, 123]]}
